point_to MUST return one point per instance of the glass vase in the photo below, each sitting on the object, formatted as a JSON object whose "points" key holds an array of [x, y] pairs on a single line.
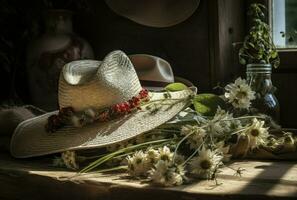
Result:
{"points": [[47, 54], [259, 79]]}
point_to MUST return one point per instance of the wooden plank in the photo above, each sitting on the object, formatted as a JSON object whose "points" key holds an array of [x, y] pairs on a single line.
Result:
{"points": [[287, 95], [226, 29], [23, 179]]}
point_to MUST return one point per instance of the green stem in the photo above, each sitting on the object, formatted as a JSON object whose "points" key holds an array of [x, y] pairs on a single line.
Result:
{"points": [[238, 131], [102, 160], [244, 117], [181, 141], [168, 130], [120, 156], [160, 100]]}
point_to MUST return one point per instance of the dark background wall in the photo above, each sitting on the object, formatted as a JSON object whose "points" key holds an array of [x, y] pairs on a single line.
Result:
{"points": [[185, 46], [202, 49], [193, 47]]}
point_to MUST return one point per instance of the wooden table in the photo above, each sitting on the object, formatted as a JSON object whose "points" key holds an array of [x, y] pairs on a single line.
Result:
{"points": [[29, 179]]}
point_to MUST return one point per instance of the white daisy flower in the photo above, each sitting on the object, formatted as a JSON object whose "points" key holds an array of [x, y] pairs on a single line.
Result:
{"points": [[196, 137], [235, 124], [205, 164], [221, 123], [69, 159], [138, 164], [239, 94], [165, 154], [215, 128], [176, 175], [167, 175], [174, 179], [256, 133], [152, 155], [288, 138], [179, 159], [288, 143], [158, 174], [226, 121], [222, 114]]}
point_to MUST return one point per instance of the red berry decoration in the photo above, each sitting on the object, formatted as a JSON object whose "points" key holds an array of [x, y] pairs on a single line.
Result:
{"points": [[104, 116], [143, 93], [65, 114]]}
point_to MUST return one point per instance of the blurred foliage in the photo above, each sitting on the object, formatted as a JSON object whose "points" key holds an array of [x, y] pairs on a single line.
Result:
{"points": [[290, 32]]}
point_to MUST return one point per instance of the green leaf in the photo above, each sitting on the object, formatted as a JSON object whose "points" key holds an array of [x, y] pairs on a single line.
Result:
{"points": [[242, 61], [274, 54], [176, 87], [251, 44], [207, 104]]}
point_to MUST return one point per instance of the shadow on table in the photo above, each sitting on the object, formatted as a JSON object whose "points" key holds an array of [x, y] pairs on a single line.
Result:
{"points": [[277, 170]]}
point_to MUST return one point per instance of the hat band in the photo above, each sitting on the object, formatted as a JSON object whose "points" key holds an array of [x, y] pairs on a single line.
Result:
{"points": [[154, 83], [69, 117]]}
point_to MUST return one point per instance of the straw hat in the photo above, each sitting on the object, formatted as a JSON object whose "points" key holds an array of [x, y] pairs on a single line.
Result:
{"points": [[154, 13], [101, 102]]}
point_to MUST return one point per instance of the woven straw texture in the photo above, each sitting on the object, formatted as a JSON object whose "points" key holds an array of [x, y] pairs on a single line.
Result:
{"points": [[94, 84]]}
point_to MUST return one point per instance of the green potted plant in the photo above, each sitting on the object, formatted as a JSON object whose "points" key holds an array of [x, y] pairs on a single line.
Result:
{"points": [[259, 54], [258, 46]]}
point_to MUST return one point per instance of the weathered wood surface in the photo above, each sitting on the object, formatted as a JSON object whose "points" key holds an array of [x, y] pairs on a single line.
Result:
{"points": [[23, 179]]}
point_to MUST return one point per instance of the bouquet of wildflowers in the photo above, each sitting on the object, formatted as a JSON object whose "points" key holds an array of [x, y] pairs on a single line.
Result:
{"points": [[195, 144]]}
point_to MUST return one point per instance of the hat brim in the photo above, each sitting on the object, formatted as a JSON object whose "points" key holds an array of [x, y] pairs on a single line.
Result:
{"points": [[31, 139]]}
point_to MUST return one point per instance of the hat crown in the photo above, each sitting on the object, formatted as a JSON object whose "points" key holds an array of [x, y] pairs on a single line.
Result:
{"points": [[94, 84], [152, 68]]}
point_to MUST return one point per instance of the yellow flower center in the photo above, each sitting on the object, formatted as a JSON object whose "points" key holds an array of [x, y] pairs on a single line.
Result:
{"points": [[205, 164], [138, 160], [255, 132], [241, 95], [164, 157]]}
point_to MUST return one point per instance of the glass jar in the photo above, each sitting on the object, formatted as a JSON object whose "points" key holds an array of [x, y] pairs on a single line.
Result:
{"points": [[259, 79]]}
